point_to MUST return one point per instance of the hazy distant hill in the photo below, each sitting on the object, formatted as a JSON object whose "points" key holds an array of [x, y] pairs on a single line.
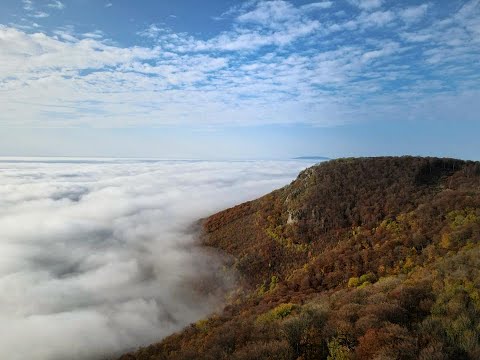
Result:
{"points": [[311, 158], [373, 258]]}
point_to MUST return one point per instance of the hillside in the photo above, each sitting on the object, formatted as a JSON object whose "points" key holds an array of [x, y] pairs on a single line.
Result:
{"points": [[373, 258]]}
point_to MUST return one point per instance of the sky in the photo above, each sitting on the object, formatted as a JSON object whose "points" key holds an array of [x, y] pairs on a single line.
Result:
{"points": [[239, 79]]}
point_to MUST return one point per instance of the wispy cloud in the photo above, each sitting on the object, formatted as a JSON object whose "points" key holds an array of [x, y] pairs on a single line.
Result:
{"points": [[317, 6], [28, 5], [39, 14], [56, 5], [96, 34], [414, 13], [367, 4], [152, 31], [30, 8]]}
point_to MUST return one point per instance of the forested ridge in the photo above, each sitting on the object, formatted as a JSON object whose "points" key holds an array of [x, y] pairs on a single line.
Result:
{"points": [[369, 258]]}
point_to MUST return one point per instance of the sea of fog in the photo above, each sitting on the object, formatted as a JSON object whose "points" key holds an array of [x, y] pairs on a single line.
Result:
{"points": [[98, 256]]}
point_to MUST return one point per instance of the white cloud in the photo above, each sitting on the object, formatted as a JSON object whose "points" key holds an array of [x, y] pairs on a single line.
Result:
{"points": [[56, 5], [276, 14], [96, 34], [281, 23], [66, 35], [367, 4], [273, 65], [414, 13], [377, 18], [270, 12], [40, 14], [152, 31], [386, 50], [260, 24], [416, 37], [469, 17], [97, 255], [46, 53], [317, 6], [251, 40], [364, 21], [28, 5]]}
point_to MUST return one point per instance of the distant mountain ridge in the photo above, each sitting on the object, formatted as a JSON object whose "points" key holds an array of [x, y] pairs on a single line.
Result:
{"points": [[370, 258], [311, 158]]}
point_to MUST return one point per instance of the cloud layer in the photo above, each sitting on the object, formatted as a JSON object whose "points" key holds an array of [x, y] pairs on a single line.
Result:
{"points": [[324, 63], [97, 257]]}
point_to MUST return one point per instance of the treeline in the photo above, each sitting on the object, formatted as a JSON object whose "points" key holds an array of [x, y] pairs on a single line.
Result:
{"points": [[374, 258]]}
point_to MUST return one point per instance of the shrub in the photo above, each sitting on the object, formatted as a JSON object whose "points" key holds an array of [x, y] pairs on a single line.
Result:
{"points": [[370, 277], [337, 350], [280, 312], [353, 282], [364, 280]]}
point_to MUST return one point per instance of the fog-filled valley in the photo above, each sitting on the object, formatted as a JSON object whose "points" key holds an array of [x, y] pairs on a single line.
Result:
{"points": [[99, 256]]}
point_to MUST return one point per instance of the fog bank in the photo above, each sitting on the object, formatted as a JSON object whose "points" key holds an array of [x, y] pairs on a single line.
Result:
{"points": [[96, 257]]}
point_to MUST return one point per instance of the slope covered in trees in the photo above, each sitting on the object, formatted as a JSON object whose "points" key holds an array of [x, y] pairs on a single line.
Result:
{"points": [[373, 258]]}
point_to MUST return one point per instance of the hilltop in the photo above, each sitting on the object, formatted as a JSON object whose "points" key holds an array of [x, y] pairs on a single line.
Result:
{"points": [[370, 258]]}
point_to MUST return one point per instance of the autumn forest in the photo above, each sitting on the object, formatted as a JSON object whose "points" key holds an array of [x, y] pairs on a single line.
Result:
{"points": [[369, 258]]}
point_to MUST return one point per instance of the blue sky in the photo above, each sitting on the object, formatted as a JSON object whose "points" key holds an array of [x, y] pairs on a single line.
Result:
{"points": [[239, 78]]}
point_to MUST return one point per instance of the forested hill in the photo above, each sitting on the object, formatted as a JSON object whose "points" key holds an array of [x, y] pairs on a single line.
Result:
{"points": [[371, 258]]}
